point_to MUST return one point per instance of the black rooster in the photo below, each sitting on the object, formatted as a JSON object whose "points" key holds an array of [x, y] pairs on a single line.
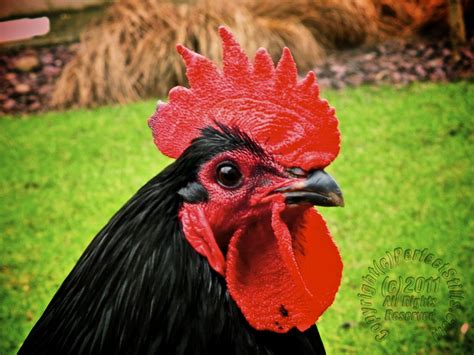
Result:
{"points": [[155, 279]]}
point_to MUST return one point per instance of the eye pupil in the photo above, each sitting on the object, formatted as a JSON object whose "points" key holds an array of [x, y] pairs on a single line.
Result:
{"points": [[228, 175]]}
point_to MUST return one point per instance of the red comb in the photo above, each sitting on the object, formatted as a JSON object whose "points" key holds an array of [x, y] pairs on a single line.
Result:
{"points": [[284, 115]]}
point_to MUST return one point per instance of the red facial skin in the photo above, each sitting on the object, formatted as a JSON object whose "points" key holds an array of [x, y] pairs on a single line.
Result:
{"points": [[227, 209], [281, 274]]}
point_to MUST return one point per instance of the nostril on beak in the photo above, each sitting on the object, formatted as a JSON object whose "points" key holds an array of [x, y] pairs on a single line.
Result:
{"points": [[297, 172], [319, 188]]}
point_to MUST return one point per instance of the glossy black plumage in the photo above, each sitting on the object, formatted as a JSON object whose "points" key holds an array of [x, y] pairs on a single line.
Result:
{"points": [[141, 288]]}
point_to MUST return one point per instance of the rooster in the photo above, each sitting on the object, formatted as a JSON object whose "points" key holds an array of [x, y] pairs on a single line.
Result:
{"points": [[222, 251]]}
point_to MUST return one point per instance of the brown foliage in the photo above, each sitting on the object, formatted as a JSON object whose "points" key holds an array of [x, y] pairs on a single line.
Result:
{"points": [[403, 18], [130, 53]]}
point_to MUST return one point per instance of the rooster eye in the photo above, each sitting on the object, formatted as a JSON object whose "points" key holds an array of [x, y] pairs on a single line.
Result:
{"points": [[228, 175]]}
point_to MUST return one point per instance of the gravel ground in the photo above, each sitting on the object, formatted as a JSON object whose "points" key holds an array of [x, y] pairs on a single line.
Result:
{"points": [[398, 63], [27, 77]]}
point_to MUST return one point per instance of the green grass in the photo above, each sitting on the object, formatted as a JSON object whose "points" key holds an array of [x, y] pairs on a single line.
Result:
{"points": [[406, 169]]}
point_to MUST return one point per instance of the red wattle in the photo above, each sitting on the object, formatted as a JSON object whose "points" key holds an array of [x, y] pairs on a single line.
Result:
{"points": [[199, 234], [283, 274]]}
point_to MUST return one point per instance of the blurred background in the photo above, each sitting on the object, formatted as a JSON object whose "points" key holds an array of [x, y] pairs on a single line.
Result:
{"points": [[100, 52], [78, 79]]}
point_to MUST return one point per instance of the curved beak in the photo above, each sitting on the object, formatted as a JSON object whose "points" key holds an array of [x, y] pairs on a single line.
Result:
{"points": [[318, 189]]}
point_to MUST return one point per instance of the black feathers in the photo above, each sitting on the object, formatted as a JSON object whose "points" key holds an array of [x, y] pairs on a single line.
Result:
{"points": [[141, 288], [193, 192], [231, 138]]}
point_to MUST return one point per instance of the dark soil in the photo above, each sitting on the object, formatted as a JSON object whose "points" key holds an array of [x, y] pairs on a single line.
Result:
{"points": [[27, 77], [399, 63]]}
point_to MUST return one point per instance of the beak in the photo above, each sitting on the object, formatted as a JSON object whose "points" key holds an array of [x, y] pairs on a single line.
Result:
{"points": [[318, 189]]}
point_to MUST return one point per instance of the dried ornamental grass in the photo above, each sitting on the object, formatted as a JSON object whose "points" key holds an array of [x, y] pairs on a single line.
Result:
{"points": [[130, 53]]}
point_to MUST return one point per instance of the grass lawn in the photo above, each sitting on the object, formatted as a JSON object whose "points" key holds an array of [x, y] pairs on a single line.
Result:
{"points": [[406, 169]]}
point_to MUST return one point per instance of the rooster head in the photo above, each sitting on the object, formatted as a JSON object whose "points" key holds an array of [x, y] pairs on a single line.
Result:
{"points": [[249, 209]]}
